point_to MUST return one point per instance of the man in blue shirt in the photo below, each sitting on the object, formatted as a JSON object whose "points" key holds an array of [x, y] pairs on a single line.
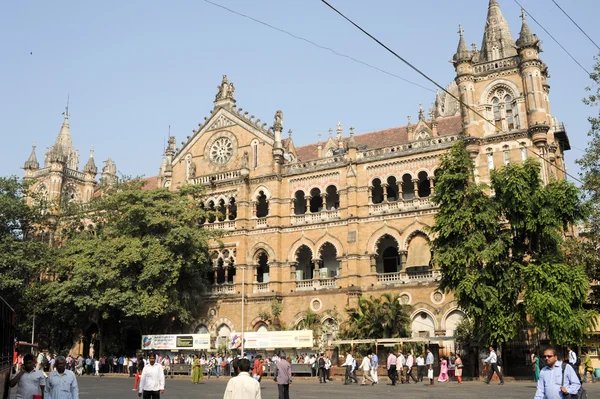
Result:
{"points": [[551, 385]]}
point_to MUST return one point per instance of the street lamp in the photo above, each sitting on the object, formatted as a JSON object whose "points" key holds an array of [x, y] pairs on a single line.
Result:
{"points": [[243, 281]]}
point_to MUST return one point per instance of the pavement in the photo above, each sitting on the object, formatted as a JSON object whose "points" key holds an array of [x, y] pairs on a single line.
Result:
{"points": [[110, 387]]}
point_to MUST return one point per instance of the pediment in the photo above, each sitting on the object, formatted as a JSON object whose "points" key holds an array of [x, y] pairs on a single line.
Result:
{"points": [[220, 122]]}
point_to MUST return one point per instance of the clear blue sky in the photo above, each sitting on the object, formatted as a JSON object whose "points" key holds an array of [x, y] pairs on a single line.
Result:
{"points": [[132, 68]]}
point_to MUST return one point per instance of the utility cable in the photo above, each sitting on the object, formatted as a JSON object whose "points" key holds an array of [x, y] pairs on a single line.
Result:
{"points": [[317, 45], [440, 87], [552, 37], [577, 25]]}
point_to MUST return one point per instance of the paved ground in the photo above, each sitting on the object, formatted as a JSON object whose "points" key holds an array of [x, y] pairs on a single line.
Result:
{"points": [[180, 388]]}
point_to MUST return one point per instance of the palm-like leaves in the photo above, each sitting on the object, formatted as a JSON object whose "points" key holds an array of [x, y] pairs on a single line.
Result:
{"points": [[383, 317]]}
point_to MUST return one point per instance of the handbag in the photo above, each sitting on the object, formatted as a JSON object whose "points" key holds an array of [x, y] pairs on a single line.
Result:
{"points": [[430, 374], [581, 394]]}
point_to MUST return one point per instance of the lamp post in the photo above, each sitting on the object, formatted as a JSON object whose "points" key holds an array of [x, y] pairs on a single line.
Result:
{"points": [[243, 281]]}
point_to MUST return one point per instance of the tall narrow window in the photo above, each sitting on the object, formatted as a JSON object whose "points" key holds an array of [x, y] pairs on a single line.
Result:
{"points": [[254, 146], [506, 155], [523, 152], [490, 160], [497, 113], [509, 112]]}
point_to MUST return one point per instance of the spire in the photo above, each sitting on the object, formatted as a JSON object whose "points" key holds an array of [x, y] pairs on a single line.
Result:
{"points": [[90, 166], [526, 38], [462, 51], [497, 40], [421, 112], [32, 162], [352, 141], [63, 145]]}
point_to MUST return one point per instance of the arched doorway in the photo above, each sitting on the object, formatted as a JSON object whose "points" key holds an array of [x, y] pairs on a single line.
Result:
{"points": [[388, 258], [329, 265], [304, 266]]}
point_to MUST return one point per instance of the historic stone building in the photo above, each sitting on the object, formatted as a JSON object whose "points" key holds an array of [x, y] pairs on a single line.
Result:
{"points": [[319, 225]]}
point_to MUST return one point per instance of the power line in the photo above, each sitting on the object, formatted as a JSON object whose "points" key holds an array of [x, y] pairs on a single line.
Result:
{"points": [[552, 37], [440, 87], [318, 45], [580, 28]]}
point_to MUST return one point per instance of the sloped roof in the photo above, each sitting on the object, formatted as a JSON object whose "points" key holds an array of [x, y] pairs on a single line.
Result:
{"points": [[150, 183], [387, 137]]}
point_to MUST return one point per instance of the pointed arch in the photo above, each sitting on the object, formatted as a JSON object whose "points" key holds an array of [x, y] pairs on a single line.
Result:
{"points": [[296, 246], [223, 321], [260, 246], [202, 321], [328, 238], [378, 235], [257, 191], [410, 233]]}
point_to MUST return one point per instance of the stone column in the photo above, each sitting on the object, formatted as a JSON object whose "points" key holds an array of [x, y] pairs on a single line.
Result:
{"points": [[293, 206], [254, 205], [431, 185], [400, 189], [373, 264], [308, 198], [317, 266], [227, 212], [416, 185], [370, 195], [323, 201], [385, 191]]}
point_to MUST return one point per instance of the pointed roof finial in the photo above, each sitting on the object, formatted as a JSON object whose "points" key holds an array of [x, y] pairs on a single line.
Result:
{"points": [[330, 132], [462, 51], [460, 30], [497, 40], [523, 16], [66, 113], [339, 129], [526, 38], [32, 162], [421, 112], [319, 142], [290, 134]]}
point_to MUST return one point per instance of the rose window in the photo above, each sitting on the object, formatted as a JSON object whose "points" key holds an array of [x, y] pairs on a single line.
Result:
{"points": [[221, 150]]}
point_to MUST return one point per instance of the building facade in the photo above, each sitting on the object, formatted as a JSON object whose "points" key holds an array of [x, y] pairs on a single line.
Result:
{"points": [[317, 226]]}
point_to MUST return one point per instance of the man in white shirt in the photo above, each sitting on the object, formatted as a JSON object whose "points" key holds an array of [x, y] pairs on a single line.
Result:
{"points": [[573, 361], [492, 359], [152, 381], [243, 386], [31, 381], [348, 364], [409, 368], [401, 366], [61, 383], [365, 366], [420, 366]]}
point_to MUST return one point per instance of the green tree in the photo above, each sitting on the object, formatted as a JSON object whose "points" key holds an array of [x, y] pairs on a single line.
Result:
{"points": [[383, 317], [494, 250], [139, 258]]}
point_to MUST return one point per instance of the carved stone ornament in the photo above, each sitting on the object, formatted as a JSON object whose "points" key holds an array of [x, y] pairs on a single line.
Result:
{"points": [[221, 122], [278, 124], [221, 151]]}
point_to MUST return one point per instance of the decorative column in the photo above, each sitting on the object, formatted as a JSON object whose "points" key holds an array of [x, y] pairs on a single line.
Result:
{"points": [[308, 198], [226, 273], [323, 201], [370, 195], [385, 191], [316, 272], [293, 206], [431, 183], [416, 185], [254, 205], [400, 190], [227, 212], [373, 260]]}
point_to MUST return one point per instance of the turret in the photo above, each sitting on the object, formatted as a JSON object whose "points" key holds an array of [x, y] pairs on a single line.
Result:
{"points": [[31, 163], [90, 166], [109, 173], [340, 140], [277, 147], [463, 64], [497, 40], [352, 145]]}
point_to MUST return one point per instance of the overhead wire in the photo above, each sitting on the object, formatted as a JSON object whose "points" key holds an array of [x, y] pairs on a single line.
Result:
{"points": [[318, 45], [553, 38], [439, 86], [576, 24]]}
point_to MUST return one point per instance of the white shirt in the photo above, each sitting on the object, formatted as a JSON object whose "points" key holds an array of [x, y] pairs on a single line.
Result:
{"points": [[572, 357], [30, 384], [401, 359], [152, 379], [366, 364], [348, 361], [420, 361], [492, 358], [409, 361], [242, 387]]}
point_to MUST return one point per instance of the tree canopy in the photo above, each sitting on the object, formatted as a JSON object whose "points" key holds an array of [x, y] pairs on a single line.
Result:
{"points": [[383, 317], [501, 249]]}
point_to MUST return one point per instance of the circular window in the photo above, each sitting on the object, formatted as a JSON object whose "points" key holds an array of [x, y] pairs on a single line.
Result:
{"points": [[437, 297], [316, 305], [405, 298], [221, 150]]}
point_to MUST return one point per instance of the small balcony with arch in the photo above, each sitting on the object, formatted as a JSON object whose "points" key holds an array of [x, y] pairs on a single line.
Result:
{"points": [[260, 209], [315, 274], [405, 194], [222, 276], [395, 266], [316, 207], [222, 214], [261, 272]]}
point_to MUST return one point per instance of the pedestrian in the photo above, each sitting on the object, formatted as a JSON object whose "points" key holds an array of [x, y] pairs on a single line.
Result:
{"points": [[322, 373], [365, 366], [97, 367], [451, 365], [196, 370], [327, 368], [400, 366], [535, 363], [212, 366], [492, 360], [30, 380], [374, 367], [587, 367], [257, 369], [459, 368], [443, 377], [242, 386], [391, 367], [429, 365], [556, 380], [61, 383], [283, 377], [152, 381], [349, 364], [138, 375], [574, 361], [420, 366], [410, 361]]}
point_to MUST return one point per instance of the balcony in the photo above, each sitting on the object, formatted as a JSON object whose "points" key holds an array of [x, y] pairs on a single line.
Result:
{"points": [[222, 289], [316, 284], [318, 217], [400, 206], [228, 225], [405, 278], [261, 223], [261, 288], [217, 177]]}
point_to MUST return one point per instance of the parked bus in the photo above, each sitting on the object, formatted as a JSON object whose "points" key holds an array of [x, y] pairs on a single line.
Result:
{"points": [[7, 344]]}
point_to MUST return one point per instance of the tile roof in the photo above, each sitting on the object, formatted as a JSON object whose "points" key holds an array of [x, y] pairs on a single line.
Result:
{"points": [[150, 183], [387, 137]]}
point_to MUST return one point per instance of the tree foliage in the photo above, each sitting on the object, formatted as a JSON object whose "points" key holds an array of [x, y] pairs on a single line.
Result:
{"points": [[132, 255], [494, 250], [383, 317]]}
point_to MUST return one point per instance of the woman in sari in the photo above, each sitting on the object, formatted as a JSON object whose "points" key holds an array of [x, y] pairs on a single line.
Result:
{"points": [[458, 363], [535, 362], [196, 370], [443, 370]]}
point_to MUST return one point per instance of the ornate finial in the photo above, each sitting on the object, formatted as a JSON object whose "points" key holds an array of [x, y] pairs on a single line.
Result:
{"points": [[226, 90], [319, 136], [523, 16], [290, 133], [66, 113], [91, 151], [330, 132], [278, 124], [474, 47], [33, 146], [460, 30], [351, 131], [421, 112], [408, 117]]}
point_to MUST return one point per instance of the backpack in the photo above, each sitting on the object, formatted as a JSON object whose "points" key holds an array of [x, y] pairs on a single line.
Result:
{"points": [[578, 362], [499, 361], [321, 362], [581, 394]]}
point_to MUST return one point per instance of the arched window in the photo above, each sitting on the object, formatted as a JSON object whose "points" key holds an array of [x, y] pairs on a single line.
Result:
{"points": [[329, 265], [262, 268], [423, 325], [497, 113], [419, 254], [220, 271], [408, 188], [304, 267], [392, 189], [316, 202], [376, 192], [299, 203], [504, 110], [495, 53], [506, 154], [211, 208], [332, 202], [388, 257], [508, 109], [221, 209], [262, 205], [223, 334], [254, 149], [232, 209], [523, 151], [424, 185], [230, 270], [202, 329]]}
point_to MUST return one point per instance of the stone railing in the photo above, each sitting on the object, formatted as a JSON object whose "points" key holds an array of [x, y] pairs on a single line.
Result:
{"points": [[315, 217], [261, 287], [303, 166], [40, 172], [225, 225], [404, 277], [400, 206], [438, 141], [493, 65], [309, 285], [216, 177], [261, 223], [222, 289], [75, 174]]}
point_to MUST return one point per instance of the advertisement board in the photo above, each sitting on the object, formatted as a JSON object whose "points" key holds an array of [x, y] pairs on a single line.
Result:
{"points": [[272, 339], [172, 342]]}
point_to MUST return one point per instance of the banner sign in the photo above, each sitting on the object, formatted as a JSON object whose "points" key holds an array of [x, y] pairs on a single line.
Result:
{"points": [[168, 342], [272, 339]]}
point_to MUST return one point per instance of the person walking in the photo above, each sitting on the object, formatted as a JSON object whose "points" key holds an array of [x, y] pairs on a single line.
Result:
{"points": [[196, 370], [443, 377], [152, 381], [391, 367], [573, 361], [420, 366], [374, 367], [365, 366], [458, 364], [30, 381], [138, 375], [283, 377], [401, 366], [321, 365], [429, 365], [451, 365], [242, 386], [61, 383], [587, 367], [409, 368], [535, 362], [556, 381], [492, 360], [327, 368], [349, 364]]}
